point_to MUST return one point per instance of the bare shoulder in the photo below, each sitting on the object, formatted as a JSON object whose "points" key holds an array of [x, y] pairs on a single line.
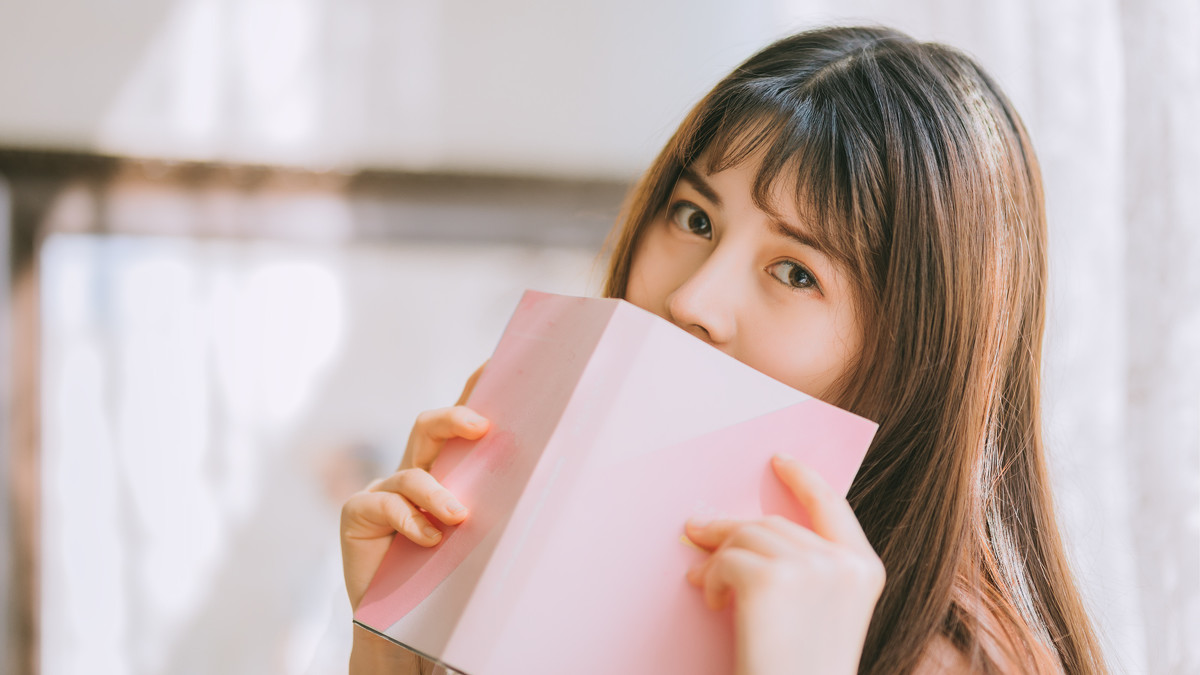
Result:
{"points": [[941, 657]]}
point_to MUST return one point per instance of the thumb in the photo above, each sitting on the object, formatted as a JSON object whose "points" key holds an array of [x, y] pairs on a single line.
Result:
{"points": [[470, 385]]}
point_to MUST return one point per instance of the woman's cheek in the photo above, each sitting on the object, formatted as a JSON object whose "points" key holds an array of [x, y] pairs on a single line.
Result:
{"points": [[806, 355], [659, 268]]}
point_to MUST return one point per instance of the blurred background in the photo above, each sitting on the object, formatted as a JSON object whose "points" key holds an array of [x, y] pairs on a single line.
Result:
{"points": [[246, 241]]}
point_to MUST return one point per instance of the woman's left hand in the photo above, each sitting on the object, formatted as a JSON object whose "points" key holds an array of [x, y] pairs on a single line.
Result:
{"points": [[802, 597]]}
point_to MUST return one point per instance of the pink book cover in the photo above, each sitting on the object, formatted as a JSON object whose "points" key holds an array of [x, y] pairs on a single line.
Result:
{"points": [[610, 428]]}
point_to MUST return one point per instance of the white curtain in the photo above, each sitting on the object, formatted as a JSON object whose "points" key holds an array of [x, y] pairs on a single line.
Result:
{"points": [[1161, 319]]}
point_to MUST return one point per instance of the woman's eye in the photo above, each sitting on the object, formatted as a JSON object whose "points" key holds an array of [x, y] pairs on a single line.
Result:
{"points": [[793, 274], [691, 219]]}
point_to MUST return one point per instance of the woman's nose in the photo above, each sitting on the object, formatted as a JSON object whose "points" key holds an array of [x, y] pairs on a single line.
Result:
{"points": [[705, 303]]}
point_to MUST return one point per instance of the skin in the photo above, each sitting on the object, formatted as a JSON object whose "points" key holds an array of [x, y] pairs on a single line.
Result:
{"points": [[757, 286]]}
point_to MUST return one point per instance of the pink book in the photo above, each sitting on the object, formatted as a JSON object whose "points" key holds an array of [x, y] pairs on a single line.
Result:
{"points": [[610, 428]]}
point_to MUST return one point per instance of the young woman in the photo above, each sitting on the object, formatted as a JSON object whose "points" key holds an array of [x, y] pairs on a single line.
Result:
{"points": [[858, 215]]}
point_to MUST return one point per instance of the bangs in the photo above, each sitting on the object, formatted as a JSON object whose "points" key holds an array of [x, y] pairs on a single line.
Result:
{"points": [[804, 154]]}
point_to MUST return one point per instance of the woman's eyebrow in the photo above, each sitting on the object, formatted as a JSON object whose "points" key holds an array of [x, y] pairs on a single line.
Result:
{"points": [[797, 235], [777, 225], [700, 185]]}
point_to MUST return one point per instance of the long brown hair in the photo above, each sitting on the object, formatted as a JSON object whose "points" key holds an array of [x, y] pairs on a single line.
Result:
{"points": [[910, 163]]}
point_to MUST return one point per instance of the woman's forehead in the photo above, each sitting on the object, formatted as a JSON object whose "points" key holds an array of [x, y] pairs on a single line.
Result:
{"points": [[779, 192]]}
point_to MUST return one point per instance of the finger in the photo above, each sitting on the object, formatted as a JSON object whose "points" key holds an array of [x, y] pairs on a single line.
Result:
{"points": [[756, 537], [362, 519], [709, 535], [434, 427], [424, 491], [470, 385], [832, 517], [799, 535], [731, 572], [402, 516]]}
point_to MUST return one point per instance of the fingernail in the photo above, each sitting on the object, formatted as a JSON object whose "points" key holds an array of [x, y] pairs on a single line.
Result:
{"points": [[780, 457], [475, 420], [455, 507], [431, 532]]}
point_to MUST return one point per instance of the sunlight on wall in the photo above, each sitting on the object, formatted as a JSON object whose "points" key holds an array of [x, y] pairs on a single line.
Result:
{"points": [[208, 405], [226, 80], [528, 86], [144, 447]]}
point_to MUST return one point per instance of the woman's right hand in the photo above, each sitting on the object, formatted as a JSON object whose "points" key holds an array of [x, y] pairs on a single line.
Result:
{"points": [[402, 502]]}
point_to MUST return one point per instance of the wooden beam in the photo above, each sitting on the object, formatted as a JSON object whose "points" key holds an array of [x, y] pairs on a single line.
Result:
{"points": [[20, 393], [370, 205]]}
